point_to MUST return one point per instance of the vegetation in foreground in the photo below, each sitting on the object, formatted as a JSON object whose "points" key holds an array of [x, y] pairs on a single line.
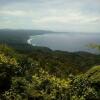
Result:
{"points": [[48, 75]]}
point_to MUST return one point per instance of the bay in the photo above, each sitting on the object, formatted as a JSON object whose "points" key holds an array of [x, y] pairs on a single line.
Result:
{"points": [[72, 42]]}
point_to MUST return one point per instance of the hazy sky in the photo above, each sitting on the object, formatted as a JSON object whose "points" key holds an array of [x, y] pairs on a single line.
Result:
{"points": [[58, 15]]}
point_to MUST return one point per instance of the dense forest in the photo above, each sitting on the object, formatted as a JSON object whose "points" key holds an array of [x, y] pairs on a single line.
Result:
{"points": [[43, 74], [39, 73]]}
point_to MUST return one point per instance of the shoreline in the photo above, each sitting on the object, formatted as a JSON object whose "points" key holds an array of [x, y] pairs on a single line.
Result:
{"points": [[31, 37], [29, 40]]}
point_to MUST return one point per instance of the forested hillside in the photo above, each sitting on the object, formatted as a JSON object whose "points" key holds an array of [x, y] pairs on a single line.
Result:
{"points": [[43, 74], [18, 38]]}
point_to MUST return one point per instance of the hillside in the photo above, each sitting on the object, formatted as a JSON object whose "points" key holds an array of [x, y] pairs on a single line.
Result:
{"points": [[43, 74], [18, 38]]}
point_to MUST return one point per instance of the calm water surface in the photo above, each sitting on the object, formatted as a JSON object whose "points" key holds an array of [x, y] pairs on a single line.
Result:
{"points": [[67, 41]]}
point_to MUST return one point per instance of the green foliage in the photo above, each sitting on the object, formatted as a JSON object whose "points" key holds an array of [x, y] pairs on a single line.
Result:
{"points": [[50, 75], [49, 87], [95, 46], [8, 67], [94, 77], [82, 88], [94, 74]]}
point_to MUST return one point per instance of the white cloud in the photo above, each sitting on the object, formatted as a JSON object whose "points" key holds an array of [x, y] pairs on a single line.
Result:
{"points": [[68, 17], [52, 14], [13, 13]]}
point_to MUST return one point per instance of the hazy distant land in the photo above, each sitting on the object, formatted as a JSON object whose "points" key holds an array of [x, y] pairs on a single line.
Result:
{"points": [[64, 41]]}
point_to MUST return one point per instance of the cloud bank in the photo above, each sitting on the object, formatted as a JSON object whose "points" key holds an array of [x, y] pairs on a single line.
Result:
{"points": [[57, 15]]}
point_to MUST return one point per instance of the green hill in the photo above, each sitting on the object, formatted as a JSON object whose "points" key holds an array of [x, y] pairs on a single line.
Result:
{"points": [[43, 74], [94, 74]]}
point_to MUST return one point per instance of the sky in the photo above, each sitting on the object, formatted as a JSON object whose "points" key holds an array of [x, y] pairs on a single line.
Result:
{"points": [[56, 15]]}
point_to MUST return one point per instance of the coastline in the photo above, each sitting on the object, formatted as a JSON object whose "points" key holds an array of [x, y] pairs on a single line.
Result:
{"points": [[31, 37], [29, 40], [32, 42]]}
